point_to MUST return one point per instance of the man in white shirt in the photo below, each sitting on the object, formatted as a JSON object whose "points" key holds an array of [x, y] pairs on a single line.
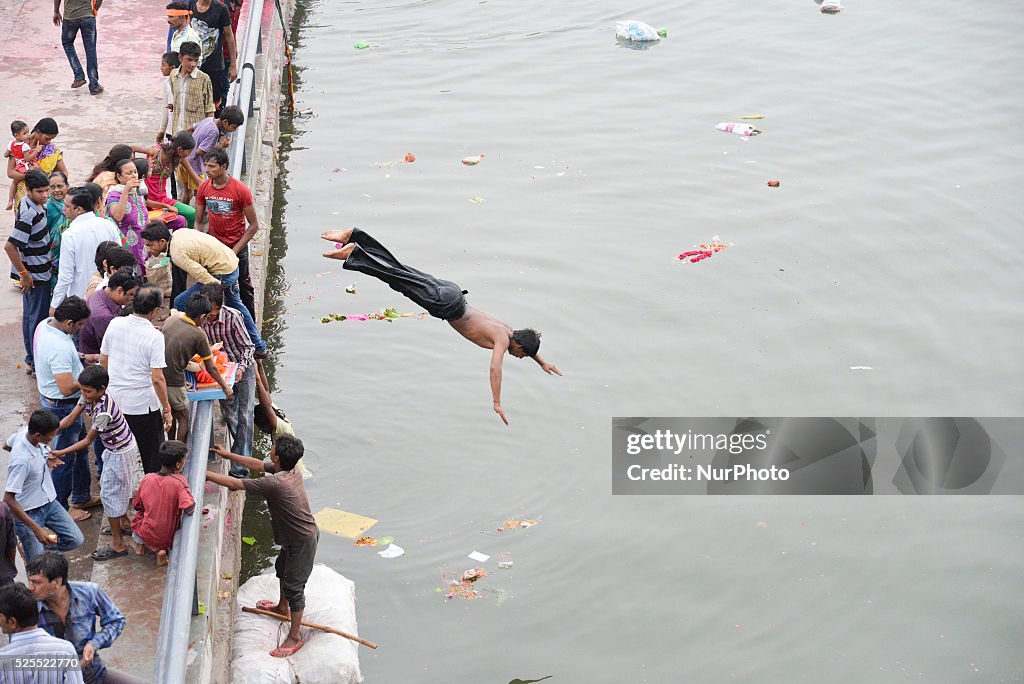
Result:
{"points": [[132, 351], [79, 242], [39, 520], [19, 618]]}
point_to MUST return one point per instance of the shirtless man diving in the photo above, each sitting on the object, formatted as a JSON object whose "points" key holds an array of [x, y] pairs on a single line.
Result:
{"points": [[442, 299]]}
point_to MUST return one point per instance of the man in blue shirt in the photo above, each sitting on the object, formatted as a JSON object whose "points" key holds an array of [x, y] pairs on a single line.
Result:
{"points": [[39, 520], [57, 367], [70, 610], [19, 618]]}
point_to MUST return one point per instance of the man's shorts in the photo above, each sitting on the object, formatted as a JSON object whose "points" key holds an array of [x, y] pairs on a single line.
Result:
{"points": [[294, 565], [178, 399]]}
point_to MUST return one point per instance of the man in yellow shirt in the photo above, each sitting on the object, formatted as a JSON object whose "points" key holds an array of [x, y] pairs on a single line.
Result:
{"points": [[207, 260]]}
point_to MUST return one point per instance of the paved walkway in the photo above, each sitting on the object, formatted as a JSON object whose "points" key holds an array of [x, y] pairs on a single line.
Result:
{"points": [[36, 84]]}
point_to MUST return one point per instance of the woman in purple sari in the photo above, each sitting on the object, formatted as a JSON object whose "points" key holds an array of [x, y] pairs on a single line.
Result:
{"points": [[128, 208]]}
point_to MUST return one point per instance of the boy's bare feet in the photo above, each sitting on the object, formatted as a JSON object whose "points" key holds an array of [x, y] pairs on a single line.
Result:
{"points": [[271, 607], [139, 549], [341, 254], [161, 557], [341, 236]]}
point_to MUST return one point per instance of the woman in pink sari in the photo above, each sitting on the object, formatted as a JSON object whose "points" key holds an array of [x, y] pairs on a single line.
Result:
{"points": [[128, 208]]}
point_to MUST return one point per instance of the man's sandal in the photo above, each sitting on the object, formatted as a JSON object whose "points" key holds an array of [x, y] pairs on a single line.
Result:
{"points": [[286, 652], [108, 552]]}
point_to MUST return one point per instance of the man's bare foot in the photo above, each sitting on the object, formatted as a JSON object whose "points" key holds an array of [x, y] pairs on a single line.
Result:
{"points": [[341, 236], [161, 557], [139, 549], [280, 608], [341, 254]]}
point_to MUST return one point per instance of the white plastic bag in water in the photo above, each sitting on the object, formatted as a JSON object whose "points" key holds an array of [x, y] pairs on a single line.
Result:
{"points": [[738, 128], [635, 30]]}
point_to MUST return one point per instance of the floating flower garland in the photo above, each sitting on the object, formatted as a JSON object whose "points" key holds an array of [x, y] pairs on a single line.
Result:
{"points": [[388, 315]]}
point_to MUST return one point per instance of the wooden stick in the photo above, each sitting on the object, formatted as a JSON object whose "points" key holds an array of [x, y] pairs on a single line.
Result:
{"points": [[285, 618]]}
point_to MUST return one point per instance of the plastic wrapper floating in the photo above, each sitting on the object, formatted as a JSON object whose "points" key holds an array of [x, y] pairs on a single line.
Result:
{"points": [[636, 31]]}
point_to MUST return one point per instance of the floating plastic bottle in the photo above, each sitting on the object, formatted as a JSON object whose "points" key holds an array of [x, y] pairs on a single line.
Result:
{"points": [[636, 31], [831, 7], [738, 128]]}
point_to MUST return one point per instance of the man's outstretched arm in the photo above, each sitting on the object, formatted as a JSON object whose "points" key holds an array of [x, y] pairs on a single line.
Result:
{"points": [[545, 366], [497, 357]]}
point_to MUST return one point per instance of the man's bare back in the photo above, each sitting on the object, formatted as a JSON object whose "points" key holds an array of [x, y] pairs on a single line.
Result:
{"points": [[482, 329]]}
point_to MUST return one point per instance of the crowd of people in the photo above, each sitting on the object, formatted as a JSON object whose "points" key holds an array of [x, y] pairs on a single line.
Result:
{"points": [[134, 275]]}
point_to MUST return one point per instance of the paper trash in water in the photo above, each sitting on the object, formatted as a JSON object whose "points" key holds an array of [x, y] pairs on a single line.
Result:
{"points": [[393, 551], [343, 524], [479, 557]]}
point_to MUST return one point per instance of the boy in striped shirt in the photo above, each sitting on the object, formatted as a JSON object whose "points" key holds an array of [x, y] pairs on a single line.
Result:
{"points": [[28, 248], [122, 464]]}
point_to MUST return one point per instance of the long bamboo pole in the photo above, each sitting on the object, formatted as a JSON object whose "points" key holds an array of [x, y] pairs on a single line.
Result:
{"points": [[331, 630]]}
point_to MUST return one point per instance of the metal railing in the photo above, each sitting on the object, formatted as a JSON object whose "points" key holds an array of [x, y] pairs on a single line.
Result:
{"points": [[180, 595], [243, 90], [180, 589]]}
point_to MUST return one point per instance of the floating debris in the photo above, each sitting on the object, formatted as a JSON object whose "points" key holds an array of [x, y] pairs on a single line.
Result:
{"points": [[748, 117], [388, 315], [861, 368], [703, 251], [393, 551], [512, 524], [773, 184], [365, 541], [249, 540], [473, 574], [636, 31], [361, 45], [505, 560], [472, 161], [478, 557], [343, 523], [477, 200], [351, 289], [410, 157], [745, 130]]}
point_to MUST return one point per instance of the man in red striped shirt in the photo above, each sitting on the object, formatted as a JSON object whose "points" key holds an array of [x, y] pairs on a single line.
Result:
{"points": [[225, 325]]}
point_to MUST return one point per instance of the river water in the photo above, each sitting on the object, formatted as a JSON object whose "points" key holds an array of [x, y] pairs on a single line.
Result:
{"points": [[892, 243]]}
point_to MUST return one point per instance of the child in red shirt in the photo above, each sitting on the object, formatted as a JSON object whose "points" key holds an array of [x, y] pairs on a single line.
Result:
{"points": [[23, 153], [162, 498]]}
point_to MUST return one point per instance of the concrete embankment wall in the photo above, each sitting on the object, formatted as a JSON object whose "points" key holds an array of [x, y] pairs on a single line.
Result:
{"points": [[218, 572]]}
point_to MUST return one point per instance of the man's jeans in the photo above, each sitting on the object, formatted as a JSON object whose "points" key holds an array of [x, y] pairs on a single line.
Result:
{"points": [[54, 518], [232, 298], [72, 478], [69, 31], [237, 413], [245, 288], [35, 308]]}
